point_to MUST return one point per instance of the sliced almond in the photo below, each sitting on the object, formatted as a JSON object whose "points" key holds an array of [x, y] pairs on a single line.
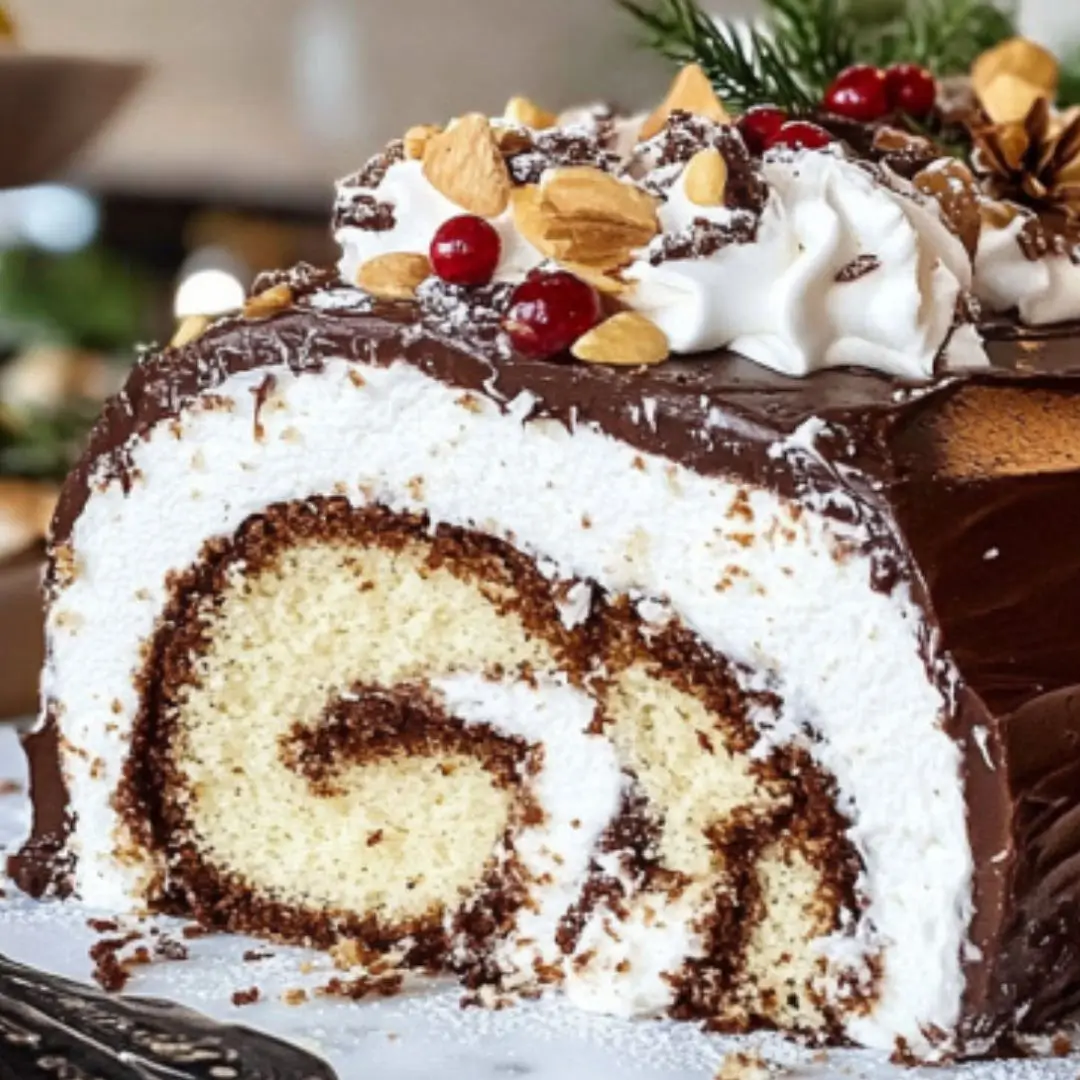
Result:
{"points": [[520, 110], [417, 138], [1008, 78], [465, 164], [526, 206], [586, 218], [690, 92], [1017, 56], [705, 178], [268, 302], [608, 283], [394, 276], [952, 185], [190, 329], [586, 192], [627, 339], [1009, 98]]}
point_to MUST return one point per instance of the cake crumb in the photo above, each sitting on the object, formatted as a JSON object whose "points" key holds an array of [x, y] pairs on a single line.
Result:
{"points": [[103, 926], [194, 930], [251, 955], [363, 987], [745, 1066], [10, 787], [246, 997], [170, 949], [350, 953], [109, 972], [1061, 1045], [294, 996]]}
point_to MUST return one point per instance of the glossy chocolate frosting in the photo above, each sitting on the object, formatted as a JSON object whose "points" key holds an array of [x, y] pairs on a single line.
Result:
{"points": [[857, 445]]}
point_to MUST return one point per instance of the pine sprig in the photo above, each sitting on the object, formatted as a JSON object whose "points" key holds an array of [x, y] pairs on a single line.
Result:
{"points": [[745, 66], [803, 44]]}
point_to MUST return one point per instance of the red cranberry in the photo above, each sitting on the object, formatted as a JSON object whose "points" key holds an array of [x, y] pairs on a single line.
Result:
{"points": [[759, 126], [858, 93], [465, 250], [800, 135], [549, 312], [910, 89]]}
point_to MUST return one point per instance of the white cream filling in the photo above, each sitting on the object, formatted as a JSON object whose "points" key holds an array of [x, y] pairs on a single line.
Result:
{"points": [[844, 657], [579, 788], [1043, 291]]}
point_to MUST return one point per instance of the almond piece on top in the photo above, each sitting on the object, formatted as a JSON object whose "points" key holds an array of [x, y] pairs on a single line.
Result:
{"points": [[465, 164], [525, 203], [690, 92], [588, 216], [951, 184], [1009, 77], [607, 283], [589, 193], [520, 110], [394, 276], [190, 329], [705, 179], [627, 339], [269, 301], [417, 138]]}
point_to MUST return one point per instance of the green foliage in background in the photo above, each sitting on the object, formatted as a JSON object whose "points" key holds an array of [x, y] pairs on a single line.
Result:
{"points": [[88, 299], [802, 44], [42, 445]]}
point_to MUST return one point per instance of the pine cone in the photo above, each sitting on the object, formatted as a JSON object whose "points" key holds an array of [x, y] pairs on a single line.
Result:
{"points": [[1034, 162]]}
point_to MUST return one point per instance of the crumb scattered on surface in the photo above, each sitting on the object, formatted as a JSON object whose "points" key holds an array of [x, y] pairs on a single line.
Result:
{"points": [[349, 954], [170, 949], [103, 926], [10, 787], [294, 996], [246, 997], [363, 987], [194, 930], [251, 955], [748, 1065], [110, 972]]}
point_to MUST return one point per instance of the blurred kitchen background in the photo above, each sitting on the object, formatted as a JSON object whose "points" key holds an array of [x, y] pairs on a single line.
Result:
{"points": [[218, 161]]}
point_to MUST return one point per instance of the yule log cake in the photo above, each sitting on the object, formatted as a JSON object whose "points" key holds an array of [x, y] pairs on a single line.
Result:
{"points": [[643, 568]]}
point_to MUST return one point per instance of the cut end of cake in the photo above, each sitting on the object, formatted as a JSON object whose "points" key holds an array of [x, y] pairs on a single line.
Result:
{"points": [[359, 727]]}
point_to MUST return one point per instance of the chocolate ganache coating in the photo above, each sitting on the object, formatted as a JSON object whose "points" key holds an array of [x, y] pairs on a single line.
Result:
{"points": [[962, 497]]}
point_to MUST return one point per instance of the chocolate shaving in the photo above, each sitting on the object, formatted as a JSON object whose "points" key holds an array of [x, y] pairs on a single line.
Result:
{"points": [[559, 147], [374, 170], [303, 279], [859, 267]]}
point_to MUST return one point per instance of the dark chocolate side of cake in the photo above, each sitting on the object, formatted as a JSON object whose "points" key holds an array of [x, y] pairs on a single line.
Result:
{"points": [[1012, 625]]}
